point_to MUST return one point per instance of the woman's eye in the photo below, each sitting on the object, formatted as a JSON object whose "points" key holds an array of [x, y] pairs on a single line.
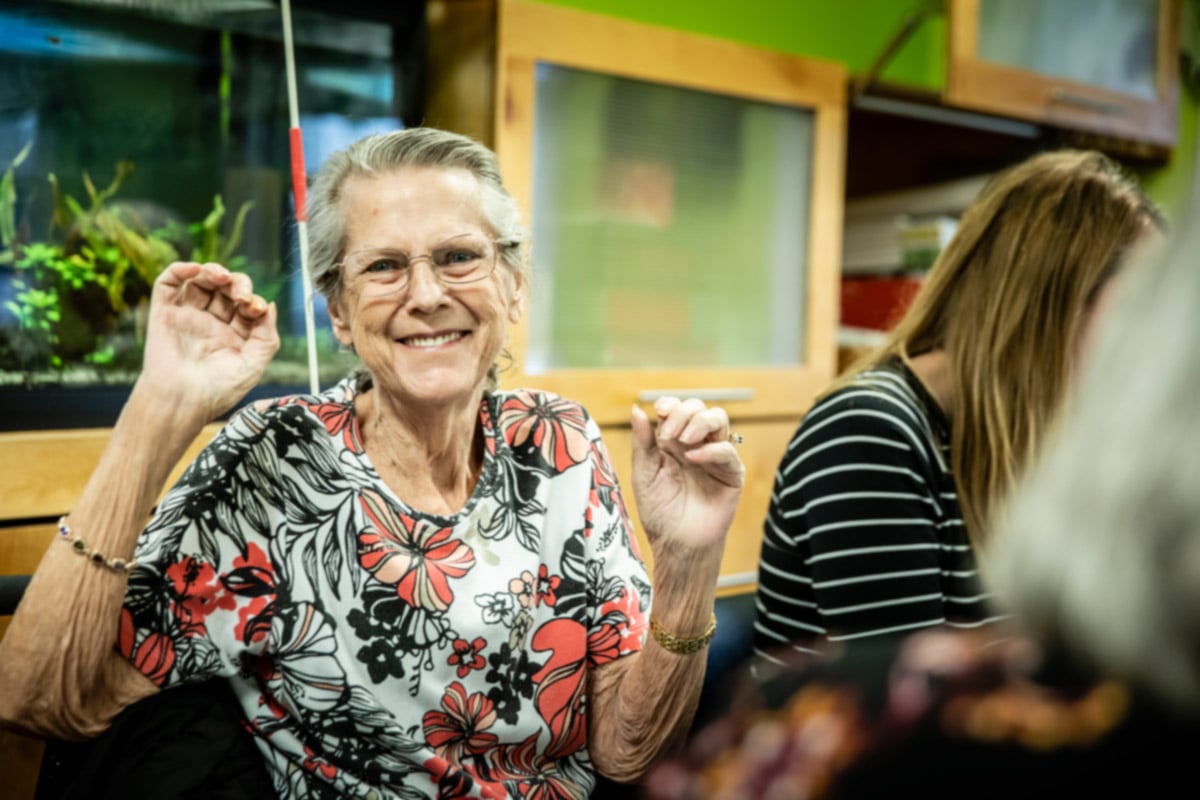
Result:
{"points": [[460, 257], [382, 265]]}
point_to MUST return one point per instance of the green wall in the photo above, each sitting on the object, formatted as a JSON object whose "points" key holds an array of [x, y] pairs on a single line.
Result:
{"points": [[855, 32]]}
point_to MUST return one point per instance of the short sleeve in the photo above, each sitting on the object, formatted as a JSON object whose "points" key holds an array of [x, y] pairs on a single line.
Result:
{"points": [[852, 541], [200, 599], [619, 583]]}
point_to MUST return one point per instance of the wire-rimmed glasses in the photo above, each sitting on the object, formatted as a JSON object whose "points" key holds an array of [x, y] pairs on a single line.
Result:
{"points": [[466, 258]]}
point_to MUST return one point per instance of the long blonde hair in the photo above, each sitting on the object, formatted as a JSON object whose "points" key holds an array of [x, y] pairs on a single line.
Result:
{"points": [[1004, 300]]}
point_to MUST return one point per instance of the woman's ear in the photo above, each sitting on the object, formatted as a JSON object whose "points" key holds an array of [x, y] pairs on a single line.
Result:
{"points": [[341, 324], [516, 303]]}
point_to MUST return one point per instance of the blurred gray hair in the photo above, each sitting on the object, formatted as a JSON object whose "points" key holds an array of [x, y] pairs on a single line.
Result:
{"points": [[1098, 550], [382, 153]]}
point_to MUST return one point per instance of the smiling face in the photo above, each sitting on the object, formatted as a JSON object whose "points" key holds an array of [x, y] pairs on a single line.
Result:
{"points": [[427, 346]]}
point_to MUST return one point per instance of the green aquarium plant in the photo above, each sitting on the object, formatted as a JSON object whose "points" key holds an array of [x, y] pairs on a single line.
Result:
{"points": [[78, 298]]}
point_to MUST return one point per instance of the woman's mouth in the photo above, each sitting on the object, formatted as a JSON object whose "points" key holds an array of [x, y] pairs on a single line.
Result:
{"points": [[432, 341]]}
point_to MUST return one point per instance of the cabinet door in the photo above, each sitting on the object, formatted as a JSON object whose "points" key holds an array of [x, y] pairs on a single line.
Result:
{"points": [[1103, 66], [685, 202]]}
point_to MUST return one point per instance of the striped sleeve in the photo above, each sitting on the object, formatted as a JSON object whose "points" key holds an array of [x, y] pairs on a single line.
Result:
{"points": [[860, 536]]}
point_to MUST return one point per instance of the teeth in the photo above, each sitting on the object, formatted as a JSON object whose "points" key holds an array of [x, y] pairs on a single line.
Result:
{"points": [[431, 341]]}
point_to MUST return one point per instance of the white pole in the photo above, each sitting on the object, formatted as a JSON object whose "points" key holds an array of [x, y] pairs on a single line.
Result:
{"points": [[299, 189]]}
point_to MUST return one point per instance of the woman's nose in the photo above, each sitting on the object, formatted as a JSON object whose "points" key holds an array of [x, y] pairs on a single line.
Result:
{"points": [[424, 285]]}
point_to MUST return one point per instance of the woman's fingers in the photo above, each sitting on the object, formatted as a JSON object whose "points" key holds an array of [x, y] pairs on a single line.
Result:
{"points": [[643, 430], [256, 318], [675, 414], [234, 297], [709, 425], [228, 296], [181, 276], [690, 422]]}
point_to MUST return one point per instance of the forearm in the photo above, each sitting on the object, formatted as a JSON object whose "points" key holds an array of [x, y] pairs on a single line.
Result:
{"points": [[59, 674], [643, 705]]}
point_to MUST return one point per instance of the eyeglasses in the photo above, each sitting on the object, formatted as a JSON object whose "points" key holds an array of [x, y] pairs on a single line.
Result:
{"points": [[466, 258]]}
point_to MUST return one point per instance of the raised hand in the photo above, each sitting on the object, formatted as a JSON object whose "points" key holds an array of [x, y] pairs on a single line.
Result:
{"points": [[209, 338], [687, 476]]}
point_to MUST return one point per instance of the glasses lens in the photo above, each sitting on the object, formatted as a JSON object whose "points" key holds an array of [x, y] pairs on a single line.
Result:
{"points": [[461, 259], [377, 271], [464, 259]]}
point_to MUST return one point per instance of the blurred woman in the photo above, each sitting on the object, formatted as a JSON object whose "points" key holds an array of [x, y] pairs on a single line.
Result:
{"points": [[881, 500]]}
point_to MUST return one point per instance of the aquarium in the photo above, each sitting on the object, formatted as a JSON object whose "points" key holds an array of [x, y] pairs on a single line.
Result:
{"points": [[134, 133]]}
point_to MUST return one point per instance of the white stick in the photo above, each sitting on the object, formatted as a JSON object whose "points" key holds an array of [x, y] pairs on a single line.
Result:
{"points": [[298, 188]]}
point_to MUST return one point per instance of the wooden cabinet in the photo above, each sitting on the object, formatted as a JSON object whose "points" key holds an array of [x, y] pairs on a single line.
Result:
{"points": [[685, 197], [1108, 67], [685, 202]]}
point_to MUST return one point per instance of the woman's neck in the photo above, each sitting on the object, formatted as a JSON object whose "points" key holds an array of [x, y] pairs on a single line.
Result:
{"points": [[932, 369], [430, 460]]}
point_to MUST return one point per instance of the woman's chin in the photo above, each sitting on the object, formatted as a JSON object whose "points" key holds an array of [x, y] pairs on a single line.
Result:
{"points": [[436, 390]]}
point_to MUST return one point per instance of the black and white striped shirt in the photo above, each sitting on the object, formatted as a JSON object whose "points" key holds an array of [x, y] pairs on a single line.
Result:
{"points": [[864, 536]]}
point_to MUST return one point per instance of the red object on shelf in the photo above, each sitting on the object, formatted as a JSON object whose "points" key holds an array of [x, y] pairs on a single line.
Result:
{"points": [[877, 302]]}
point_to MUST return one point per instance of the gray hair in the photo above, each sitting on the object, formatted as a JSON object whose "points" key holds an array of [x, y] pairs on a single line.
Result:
{"points": [[411, 147], [1098, 551]]}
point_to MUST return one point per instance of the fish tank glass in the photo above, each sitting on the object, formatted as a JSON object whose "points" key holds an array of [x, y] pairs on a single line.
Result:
{"points": [[134, 133]]}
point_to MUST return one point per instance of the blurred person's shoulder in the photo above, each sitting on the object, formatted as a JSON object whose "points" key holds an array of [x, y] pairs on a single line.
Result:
{"points": [[938, 713]]}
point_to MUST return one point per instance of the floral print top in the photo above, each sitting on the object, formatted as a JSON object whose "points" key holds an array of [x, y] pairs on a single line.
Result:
{"points": [[379, 651]]}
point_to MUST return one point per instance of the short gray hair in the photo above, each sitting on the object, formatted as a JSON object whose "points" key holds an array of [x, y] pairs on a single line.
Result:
{"points": [[1098, 551], [410, 147]]}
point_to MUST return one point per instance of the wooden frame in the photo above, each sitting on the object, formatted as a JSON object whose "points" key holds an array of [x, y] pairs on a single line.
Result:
{"points": [[529, 33], [42, 474], [1009, 91]]}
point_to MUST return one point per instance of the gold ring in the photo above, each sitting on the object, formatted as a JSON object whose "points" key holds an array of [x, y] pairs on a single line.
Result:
{"points": [[735, 438]]}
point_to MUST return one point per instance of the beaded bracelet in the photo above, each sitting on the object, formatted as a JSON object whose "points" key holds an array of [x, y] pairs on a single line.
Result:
{"points": [[683, 645], [95, 556]]}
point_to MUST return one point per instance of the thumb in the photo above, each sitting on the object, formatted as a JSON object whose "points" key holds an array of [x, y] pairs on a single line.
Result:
{"points": [[266, 327], [644, 444]]}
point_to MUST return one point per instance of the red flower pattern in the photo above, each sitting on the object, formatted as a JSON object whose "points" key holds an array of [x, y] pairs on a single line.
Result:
{"points": [[455, 782], [604, 644], [467, 656], [460, 728], [338, 418], [414, 554], [547, 585], [559, 696], [254, 578], [313, 763], [197, 594], [556, 427], [538, 777], [153, 654]]}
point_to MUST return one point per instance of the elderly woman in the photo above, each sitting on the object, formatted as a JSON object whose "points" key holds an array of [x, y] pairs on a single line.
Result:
{"points": [[415, 584]]}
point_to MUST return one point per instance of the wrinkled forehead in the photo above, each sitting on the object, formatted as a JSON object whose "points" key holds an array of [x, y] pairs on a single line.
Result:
{"points": [[412, 206], [414, 187]]}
